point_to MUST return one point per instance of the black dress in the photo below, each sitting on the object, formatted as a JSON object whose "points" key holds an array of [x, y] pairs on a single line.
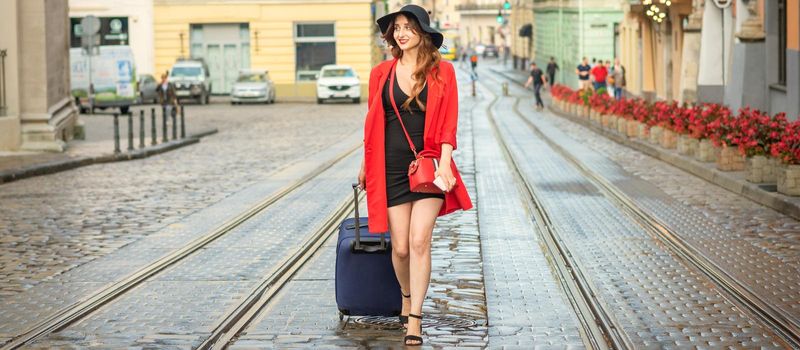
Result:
{"points": [[398, 152]]}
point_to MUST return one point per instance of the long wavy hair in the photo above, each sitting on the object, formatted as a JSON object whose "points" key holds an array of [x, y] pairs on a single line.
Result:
{"points": [[428, 58]]}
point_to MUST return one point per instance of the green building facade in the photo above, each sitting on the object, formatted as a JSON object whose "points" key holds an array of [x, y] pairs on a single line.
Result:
{"points": [[570, 31]]}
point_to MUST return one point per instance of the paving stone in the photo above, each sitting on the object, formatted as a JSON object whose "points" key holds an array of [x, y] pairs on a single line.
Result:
{"points": [[641, 283]]}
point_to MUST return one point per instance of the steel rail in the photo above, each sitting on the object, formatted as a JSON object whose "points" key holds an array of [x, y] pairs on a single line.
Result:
{"points": [[599, 328], [778, 320], [92, 302], [260, 296]]}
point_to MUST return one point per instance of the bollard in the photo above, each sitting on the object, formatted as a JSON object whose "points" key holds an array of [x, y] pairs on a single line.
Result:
{"points": [[173, 113], [473, 88], [505, 88], [130, 131], [116, 133], [153, 135], [183, 124], [141, 128], [163, 124]]}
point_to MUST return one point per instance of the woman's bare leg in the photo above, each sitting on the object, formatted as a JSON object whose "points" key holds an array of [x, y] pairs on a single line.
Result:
{"points": [[399, 220], [423, 217]]}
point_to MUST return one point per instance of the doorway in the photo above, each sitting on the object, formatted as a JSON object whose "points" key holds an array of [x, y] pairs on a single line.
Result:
{"points": [[226, 50]]}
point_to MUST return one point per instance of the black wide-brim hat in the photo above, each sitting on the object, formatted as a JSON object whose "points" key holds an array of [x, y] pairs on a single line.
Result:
{"points": [[422, 18]]}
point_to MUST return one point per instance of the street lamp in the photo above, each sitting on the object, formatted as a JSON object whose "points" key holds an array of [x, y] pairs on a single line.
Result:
{"points": [[657, 9]]}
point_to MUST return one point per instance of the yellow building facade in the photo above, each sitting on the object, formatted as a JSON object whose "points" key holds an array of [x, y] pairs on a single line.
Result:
{"points": [[290, 39]]}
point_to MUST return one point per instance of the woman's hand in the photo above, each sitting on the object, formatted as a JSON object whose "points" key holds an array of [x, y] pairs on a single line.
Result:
{"points": [[362, 177], [446, 174]]}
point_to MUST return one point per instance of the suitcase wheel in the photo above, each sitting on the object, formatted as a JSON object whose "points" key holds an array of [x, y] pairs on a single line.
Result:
{"points": [[341, 316]]}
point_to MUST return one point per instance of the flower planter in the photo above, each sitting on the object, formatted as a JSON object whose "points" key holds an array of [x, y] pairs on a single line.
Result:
{"points": [[633, 128], [644, 131], [761, 169], [705, 151], [789, 179], [669, 139], [605, 120], [655, 134], [686, 145], [596, 117], [586, 111], [622, 125], [730, 159]]}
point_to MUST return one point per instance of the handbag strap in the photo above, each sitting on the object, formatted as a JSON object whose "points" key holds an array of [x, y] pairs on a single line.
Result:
{"points": [[397, 112]]}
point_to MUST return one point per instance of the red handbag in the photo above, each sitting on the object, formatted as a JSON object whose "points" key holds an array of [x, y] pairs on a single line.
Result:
{"points": [[422, 170]]}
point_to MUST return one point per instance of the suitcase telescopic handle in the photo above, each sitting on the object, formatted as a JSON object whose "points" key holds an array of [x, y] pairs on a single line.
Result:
{"points": [[357, 225]]}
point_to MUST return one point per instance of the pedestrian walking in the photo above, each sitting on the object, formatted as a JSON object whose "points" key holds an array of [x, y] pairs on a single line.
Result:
{"points": [[538, 80], [599, 75], [583, 74], [167, 97], [394, 131], [552, 68], [463, 59], [617, 78], [473, 59]]}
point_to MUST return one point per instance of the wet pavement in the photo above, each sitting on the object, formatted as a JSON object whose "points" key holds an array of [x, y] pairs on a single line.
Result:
{"points": [[493, 284]]}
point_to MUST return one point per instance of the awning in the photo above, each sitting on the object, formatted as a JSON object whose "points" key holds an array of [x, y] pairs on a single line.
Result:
{"points": [[526, 31]]}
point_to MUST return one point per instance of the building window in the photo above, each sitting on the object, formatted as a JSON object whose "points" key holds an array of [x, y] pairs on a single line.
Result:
{"points": [[315, 45], [782, 42]]}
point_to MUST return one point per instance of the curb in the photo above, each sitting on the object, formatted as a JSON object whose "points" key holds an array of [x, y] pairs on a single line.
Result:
{"points": [[781, 203], [68, 164]]}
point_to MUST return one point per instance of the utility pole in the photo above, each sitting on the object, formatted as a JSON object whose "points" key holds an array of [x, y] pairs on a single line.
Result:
{"points": [[90, 27]]}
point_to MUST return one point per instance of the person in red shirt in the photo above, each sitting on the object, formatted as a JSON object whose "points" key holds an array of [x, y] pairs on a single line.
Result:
{"points": [[599, 75]]}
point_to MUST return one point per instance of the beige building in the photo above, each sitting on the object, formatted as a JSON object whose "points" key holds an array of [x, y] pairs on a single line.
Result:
{"points": [[521, 24], [292, 39], [479, 23], [444, 13], [36, 109]]}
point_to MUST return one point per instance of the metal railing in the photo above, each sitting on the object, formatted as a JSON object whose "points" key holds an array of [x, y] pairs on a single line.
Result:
{"points": [[178, 124], [3, 103]]}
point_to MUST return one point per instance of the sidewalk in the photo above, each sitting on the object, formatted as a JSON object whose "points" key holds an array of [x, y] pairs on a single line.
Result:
{"points": [[732, 181], [98, 145]]}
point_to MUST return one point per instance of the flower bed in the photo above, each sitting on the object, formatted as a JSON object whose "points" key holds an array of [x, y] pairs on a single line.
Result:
{"points": [[767, 147]]}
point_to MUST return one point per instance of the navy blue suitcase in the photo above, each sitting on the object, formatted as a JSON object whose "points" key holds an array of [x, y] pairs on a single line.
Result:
{"points": [[365, 280]]}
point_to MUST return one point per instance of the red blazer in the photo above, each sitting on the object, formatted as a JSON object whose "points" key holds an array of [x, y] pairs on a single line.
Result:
{"points": [[441, 121]]}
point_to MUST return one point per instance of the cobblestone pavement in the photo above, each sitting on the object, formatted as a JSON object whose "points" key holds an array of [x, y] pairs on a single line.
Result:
{"points": [[527, 307], [658, 300], [51, 224], [755, 244], [304, 314], [182, 305]]}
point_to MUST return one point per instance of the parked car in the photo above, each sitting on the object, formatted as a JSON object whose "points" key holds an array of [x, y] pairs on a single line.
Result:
{"points": [[490, 51], [253, 86], [479, 49], [337, 82], [113, 78], [147, 89], [191, 79]]}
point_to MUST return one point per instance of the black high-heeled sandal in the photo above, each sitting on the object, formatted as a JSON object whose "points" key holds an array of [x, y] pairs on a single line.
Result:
{"points": [[414, 337], [404, 318]]}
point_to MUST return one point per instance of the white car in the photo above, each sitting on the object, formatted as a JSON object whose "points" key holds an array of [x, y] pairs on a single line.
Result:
{"points": [[253, 86], [338, 82]]}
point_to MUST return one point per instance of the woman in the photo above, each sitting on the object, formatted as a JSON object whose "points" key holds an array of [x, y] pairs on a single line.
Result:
{"points": [[426, 97]]}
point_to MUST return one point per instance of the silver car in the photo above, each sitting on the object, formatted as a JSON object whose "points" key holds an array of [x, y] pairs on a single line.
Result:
{"points": [[253, 86], [147, 89]]}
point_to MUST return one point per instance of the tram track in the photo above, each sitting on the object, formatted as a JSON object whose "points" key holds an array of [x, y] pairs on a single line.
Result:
{"points": [[599, 328], [783, 324], [88, 304], [259, 297], [777, 320]]}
